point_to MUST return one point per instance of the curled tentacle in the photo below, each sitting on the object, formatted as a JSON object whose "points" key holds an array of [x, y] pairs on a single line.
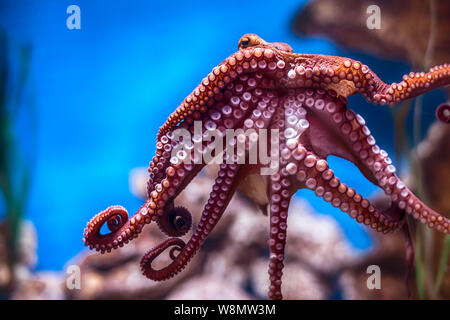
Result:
{"points": [[119, 216], [167, 272], [122, 229], [443, 113], [176, 222], [222, 191]]}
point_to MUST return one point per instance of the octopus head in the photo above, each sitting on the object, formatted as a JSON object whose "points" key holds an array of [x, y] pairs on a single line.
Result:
{"points": [[252, 40]]}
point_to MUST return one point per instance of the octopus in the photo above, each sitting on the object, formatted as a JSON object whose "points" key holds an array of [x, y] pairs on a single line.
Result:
{"points": [[301, 101]]}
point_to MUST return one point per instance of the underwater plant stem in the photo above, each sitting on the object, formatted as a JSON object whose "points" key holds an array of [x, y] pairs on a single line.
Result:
{"points": [[424, 238], [419, 267], [14, 172], [442, 265], [401, 141], [429, 239], [417, 120], [431, 37]]}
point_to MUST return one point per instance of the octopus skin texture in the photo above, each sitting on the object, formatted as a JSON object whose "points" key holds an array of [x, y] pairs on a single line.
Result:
{"points": [[303, 96]]}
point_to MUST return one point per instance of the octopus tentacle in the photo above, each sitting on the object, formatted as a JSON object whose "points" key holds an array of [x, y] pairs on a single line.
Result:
{"points": [[258, 105], [279, 196], [348, 76], [167, 272], [234, 104], [314, 174], [279, 192], [166, 164], [222, 191], [122, 228], [413, 84], [307, 169], [337, 130], [210, 90], [376, 165]]}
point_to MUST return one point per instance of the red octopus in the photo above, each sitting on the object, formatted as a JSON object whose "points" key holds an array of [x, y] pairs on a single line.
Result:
{"points": [[300, 99]]}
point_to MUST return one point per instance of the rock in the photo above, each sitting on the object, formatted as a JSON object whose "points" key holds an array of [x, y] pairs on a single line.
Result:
{"points": [[299, 281], [208, 288], [26, 256], [43, 286], [317, 240], [404, 33]]}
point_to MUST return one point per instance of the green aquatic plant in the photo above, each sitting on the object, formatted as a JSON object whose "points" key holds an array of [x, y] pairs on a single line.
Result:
{"points": [[14, 172]]}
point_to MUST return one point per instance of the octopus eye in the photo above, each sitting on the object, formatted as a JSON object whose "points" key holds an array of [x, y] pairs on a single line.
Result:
{"points": [[244, 42]]}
